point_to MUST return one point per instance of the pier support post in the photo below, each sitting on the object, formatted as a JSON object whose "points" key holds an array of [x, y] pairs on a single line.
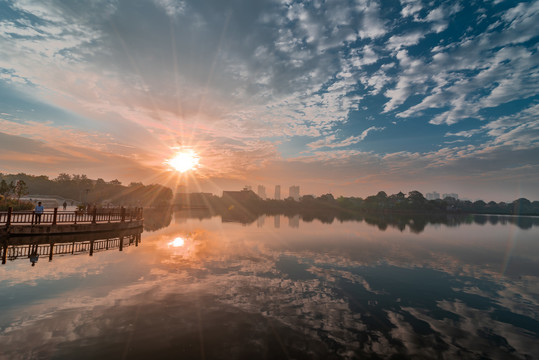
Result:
{"points": [[54, 216], [51, 248], [9, 211], [4, 251], [122, 214], [94, 215]]}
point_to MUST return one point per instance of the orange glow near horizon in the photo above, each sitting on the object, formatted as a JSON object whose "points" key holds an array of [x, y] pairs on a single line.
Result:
{"points": [[183, 161]]}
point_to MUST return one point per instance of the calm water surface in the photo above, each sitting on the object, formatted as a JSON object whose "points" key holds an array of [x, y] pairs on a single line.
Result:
{"points": [[280, 288]]}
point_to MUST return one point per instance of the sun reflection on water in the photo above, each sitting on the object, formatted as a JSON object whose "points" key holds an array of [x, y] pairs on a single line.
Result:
{"points": [[181, 246], [177, 242]]}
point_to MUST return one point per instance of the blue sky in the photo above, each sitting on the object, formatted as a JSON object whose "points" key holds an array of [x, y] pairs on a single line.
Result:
{"points": [[350, 97]]}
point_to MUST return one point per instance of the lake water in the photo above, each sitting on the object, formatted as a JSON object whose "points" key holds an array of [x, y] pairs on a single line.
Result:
{"points": [[277, 287]]}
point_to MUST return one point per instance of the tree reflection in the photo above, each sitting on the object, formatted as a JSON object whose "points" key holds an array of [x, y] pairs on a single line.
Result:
{"points": [[157, 218], [415, 223]]}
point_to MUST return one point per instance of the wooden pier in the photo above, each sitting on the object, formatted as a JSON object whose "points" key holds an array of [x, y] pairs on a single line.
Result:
{"points": [[22, 223]]}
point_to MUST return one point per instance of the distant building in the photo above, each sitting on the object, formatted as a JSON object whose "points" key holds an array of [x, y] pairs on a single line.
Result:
{"points": [[277, 192], [432, 196], [193, 200], [293, 192], [247, 187], [262, 192], [452, 195], [239, 197]]}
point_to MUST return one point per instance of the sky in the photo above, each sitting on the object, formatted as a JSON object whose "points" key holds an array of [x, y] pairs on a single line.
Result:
{"points": [[349, 97]]}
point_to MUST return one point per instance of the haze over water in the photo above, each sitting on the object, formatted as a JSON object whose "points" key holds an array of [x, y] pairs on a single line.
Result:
{"points": [[281, 287]]}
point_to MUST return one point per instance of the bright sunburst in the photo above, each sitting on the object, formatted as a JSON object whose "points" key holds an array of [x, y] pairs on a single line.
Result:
{"points": [[183, 161]]}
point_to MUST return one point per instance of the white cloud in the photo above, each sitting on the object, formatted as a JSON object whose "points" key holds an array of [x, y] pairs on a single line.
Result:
{"points": [[412, 81], [365, 56], [371, 129], [411, 7], [397, 42], [465, 133], [172, 7], [372, 26]]}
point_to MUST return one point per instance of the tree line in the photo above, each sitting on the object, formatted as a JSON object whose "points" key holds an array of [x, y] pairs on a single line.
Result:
{"points": [[413, 202], [79, 189]]}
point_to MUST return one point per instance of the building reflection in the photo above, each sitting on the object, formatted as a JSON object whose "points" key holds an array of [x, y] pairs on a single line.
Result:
{"points": [[47, 246], [261, 221], [293, 221], [277, 221]]}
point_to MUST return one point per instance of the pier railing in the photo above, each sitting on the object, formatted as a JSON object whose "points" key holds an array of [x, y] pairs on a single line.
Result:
{"points": [[34, 249], [55, 217]]}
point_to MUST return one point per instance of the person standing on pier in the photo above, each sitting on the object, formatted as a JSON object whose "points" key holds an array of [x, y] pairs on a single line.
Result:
{"points": [[38, 211], [64, 205]]}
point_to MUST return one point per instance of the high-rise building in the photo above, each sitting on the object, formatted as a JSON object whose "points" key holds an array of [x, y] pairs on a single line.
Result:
{"points": [[294, 192], [432, 196], [277, 192], [262, 192]]}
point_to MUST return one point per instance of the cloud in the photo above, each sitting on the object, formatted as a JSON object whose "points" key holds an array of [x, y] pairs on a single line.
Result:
{"points": [[411, 7], [367, 131], [397, 42], [238, 79], [412, 80], [504, 71], [465, 133], [172, 7], [372, 25]]}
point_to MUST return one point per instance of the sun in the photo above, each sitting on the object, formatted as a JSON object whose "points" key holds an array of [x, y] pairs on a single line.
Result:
{"points": [[183, 161]]}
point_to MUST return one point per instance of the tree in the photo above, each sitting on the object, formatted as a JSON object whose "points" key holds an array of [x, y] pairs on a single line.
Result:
{"points": [[381, 195], [63, 177], [327, 198], [479, 205], [521, 206], [20, 189], [416, 198], [6, 189], [307, 199]]}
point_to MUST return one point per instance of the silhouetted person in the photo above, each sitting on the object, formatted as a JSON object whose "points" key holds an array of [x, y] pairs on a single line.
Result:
{"points": [[38, 211], [64, 205], [34, 256]]}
